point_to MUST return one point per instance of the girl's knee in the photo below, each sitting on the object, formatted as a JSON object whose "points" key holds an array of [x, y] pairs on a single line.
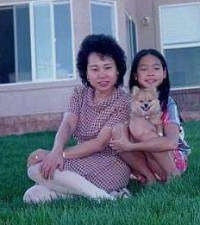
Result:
{"points": [[172, 162]]}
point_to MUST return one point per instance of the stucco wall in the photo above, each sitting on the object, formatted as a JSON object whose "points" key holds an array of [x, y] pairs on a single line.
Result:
{"points": [[31, 99], [147, 21], [148, 34], [23, 107]]}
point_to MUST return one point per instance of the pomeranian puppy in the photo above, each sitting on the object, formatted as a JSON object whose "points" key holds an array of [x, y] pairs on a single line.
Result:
{"points": [[145, 118]]}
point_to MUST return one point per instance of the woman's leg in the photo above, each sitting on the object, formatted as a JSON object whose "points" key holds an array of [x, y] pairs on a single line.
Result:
{"points": [[40, 193], [67, 182]]}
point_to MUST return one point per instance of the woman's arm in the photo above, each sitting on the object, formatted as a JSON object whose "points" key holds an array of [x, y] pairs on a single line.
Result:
{"points": [[65, 131], [89, 147], [54, 159], [157, 144]]}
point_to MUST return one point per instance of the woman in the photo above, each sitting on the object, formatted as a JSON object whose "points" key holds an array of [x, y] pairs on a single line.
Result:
{"points": [[157, 158], [91, 168]]}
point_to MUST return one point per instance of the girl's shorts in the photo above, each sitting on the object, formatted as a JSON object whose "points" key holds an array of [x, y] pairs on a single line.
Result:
{"points": [[180, 160]]}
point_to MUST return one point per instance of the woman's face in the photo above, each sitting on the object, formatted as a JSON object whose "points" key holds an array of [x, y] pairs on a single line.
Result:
{"points": [[150, 73], [101, 72]]}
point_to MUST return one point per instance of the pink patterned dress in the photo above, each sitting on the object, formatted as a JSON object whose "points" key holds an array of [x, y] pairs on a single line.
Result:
{"points": [[105, 169]]}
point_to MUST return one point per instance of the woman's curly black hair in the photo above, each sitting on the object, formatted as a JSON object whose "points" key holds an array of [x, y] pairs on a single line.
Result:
{"points": [[164, 87], [104, 45]]}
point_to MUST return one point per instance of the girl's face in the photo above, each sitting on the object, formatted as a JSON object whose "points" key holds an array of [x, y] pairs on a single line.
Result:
{"points": [[101, 73], [150, 73]]}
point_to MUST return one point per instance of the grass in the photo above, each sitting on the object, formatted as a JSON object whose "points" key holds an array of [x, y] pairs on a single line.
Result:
{"points": [[177, 202]]}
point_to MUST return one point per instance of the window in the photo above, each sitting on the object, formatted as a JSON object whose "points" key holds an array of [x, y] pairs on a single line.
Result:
{"points": [[131, 40], [103, 18], [180, 40], [35, 44]]}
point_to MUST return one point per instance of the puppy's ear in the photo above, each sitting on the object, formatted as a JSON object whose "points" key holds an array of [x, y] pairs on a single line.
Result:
{"points": [[135, 90]]}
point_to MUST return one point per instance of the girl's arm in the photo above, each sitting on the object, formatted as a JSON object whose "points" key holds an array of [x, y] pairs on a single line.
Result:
{"points": [[157, 144], [89, 147]]}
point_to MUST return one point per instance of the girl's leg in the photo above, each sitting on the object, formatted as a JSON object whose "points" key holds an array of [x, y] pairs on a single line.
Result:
{"points": [[173, 162], [156, 168], [138, 163], [67, 182], [136, 160]]}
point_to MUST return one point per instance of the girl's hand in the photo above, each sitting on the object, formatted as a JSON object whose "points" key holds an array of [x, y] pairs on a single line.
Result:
{"points": [[121, 144], [50, 163], [36, 157]]}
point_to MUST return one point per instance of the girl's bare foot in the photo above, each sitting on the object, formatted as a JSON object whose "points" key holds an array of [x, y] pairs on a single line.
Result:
{"points": [[157, 170]]}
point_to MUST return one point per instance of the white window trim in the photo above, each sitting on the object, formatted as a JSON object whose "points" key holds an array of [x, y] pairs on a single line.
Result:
{"points": [[15, 47], [136, 29], [74, 74], [53, 40], [196, 44], [32, 39]]}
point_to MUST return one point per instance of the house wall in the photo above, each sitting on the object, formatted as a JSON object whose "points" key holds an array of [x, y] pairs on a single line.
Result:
{"points": [[145, 24], [39, 106], [50, 97], [188, 99], [47, 97], [147, 20]]}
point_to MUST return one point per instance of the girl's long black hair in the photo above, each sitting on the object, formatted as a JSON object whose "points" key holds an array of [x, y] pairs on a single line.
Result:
{"points": [[164, 87]]}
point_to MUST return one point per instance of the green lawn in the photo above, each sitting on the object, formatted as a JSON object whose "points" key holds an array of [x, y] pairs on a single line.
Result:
{"points": [[177, 202]]}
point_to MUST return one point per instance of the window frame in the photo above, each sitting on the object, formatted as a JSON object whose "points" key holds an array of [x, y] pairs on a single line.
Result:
{"points": [[131, 38], [115, 18], [30, 5], [177, 45]]}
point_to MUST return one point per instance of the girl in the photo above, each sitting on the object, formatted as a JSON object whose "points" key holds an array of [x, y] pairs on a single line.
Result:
{"points": [[158, 158]]}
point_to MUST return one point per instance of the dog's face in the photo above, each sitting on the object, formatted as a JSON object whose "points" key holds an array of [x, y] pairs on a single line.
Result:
{"points": [[145, 102]]}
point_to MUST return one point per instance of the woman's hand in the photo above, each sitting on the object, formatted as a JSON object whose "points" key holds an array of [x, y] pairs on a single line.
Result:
{"points": [[50, 163], [36, 157]]}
